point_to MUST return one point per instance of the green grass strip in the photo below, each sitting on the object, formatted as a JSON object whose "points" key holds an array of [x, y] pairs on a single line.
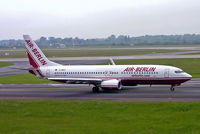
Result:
{"points": [[22, 79], [192, 54], [5, 64], [98, 117]]}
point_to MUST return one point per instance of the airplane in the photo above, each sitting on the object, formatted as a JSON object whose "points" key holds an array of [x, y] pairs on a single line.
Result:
{"points": [[105, 77]]}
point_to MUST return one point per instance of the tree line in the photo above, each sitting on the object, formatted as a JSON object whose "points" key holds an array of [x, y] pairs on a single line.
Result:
{"points": [[122, 40]]}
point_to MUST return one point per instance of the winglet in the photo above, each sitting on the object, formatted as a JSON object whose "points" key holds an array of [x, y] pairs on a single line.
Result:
{"points": [[112, 62]]}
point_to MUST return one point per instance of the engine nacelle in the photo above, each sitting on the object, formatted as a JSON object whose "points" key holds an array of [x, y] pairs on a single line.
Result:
{"points": [[111, 84]]}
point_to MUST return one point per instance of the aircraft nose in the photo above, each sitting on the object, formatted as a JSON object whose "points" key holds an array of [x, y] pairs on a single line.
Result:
{"points": [[188, 75]]}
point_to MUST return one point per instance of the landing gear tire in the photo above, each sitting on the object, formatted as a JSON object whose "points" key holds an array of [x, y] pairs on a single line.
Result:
{"points": [[95, 89], [172, 89]]}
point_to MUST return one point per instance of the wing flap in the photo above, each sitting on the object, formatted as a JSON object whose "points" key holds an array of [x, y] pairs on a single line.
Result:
{"points": [[77, 80]]}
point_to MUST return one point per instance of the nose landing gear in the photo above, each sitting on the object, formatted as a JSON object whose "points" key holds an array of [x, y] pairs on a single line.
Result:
{"points": [[172, 88]]}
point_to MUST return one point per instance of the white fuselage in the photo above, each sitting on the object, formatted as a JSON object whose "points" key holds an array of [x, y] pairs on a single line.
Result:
{"points": [[127, 74]]}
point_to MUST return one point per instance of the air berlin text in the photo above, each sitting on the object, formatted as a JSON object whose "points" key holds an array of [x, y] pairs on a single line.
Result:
{"points": [[140, 69], [35, 51]]}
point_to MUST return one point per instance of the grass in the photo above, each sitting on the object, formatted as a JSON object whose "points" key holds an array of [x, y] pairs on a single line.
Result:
{"points": [[98, 117], [190, 66], [85, 52], [193, 54], [22, 79], [5, 64]]}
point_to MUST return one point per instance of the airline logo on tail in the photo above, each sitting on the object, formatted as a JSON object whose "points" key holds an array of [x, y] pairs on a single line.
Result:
{"points": [[35, 55], [36, 52]]}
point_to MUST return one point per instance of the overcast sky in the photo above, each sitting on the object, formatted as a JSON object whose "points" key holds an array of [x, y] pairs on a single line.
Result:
{"points": [[97, 18]]}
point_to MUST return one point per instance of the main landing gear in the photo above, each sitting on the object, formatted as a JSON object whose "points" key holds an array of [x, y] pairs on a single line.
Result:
{"points": [[172, 88], [95, 89]]}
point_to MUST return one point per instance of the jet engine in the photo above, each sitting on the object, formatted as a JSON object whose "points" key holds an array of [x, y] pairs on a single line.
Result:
{"points": [[111, 84]]}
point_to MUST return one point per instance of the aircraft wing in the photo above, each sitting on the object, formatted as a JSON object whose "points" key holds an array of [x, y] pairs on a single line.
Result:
{"points": [[77, 80]]}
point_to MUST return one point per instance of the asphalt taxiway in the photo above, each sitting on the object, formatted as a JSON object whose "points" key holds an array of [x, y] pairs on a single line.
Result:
{"points": [[189, 91]]}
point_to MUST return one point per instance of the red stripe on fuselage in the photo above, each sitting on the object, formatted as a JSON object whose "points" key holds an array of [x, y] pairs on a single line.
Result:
{"points": [[135, 81], [126, 82]]}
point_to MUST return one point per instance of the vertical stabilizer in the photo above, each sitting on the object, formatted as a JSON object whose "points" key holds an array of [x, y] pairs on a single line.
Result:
{"points": [[36, 57]]}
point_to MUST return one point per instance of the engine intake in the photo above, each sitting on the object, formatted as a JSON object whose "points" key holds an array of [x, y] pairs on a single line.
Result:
{"points": [[111, 84]]}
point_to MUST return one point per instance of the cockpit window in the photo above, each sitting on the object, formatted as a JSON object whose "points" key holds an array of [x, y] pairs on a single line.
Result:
{"points": [[179, 71]]}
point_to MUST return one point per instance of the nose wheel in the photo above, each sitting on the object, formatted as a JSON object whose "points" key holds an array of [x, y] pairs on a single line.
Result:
{"points": [[172, 88], [173, 85]]}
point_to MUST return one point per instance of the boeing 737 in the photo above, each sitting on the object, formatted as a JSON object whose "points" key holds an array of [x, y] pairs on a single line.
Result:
{"points": [[106, 77]]}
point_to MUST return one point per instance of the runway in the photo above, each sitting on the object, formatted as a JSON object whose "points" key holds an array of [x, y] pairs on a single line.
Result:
{"points": [[189, 91]]}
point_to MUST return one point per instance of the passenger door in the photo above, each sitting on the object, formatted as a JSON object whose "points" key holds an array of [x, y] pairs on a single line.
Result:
{"points": [[166, 73]]}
